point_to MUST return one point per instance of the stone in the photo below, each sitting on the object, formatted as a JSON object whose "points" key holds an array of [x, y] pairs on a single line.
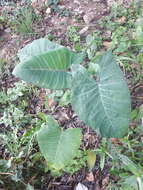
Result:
{"points": [[48, 11], [88, 17], [83, 30]]}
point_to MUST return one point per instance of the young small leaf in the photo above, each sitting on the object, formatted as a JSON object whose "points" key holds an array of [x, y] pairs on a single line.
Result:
{"points": [[91, 159], [102, 160], [57, 146]]}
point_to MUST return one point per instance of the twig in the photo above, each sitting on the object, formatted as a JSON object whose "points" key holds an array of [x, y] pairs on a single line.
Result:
{"points": [[6, 173]]}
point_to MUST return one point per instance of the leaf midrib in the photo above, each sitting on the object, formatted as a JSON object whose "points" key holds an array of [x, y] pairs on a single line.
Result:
{"points": [[45, 70], [56, 152], [104, 108]]}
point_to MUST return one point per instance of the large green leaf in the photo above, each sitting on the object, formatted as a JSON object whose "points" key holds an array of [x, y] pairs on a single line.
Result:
{"points": [[36, 48], [46, 64], [102, 103], [58, 146]]}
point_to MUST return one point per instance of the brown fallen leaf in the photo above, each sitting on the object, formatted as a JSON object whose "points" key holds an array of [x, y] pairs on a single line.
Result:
{"points": [[34, 3], [38, 3], [90, 177], [106, 44], [116, 141], [50, 102], [105, 181], [122, 20]]}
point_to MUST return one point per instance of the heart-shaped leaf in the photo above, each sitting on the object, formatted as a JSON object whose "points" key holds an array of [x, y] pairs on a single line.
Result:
{"points": [[57, 146], [46, 64], [102, 103]]}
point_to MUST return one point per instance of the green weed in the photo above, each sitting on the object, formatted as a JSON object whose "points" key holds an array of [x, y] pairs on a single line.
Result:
{"points": [[74, 37], [23, 19]]}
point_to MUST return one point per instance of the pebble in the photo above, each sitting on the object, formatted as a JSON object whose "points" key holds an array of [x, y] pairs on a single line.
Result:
{"points": [[83, 30], [88, 18], [8, 30], [48, 11]]}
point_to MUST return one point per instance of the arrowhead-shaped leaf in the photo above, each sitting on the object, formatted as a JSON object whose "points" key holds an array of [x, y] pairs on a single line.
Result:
{"points": [[57, 146], [46, 64], [103, 103]]}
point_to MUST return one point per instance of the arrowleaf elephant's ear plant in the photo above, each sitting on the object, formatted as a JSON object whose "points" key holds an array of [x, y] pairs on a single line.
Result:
{"points": [[100, 99]]}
